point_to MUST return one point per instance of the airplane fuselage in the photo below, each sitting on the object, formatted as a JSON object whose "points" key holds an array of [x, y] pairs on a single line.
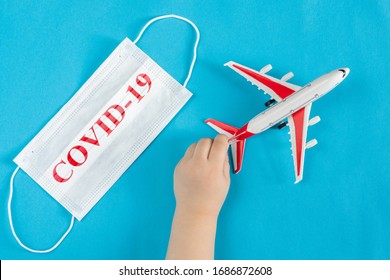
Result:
{"points": [[286, 107]]}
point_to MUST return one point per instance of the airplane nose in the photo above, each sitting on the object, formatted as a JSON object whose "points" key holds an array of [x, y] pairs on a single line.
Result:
{"points": [[345, 71]]}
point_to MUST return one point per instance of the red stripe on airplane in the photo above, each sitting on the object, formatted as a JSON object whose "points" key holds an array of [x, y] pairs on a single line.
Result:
{"points": [[243, 133], [299, 118], [228, 128], [281, 90], [240, 145]]}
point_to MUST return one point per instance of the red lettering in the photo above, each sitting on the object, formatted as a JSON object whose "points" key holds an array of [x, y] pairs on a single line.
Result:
{"points": [[57, 177], [128, 104], [82, 150], [143, 80], [93, 141], [112, 118], [135, 93], [78, 155], [104, 126]]}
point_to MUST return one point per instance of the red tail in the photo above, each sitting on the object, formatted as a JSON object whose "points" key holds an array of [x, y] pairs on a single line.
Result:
{"points": [[237, 146]]}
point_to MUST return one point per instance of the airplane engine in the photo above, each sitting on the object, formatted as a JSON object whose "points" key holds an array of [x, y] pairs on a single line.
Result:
{"points": [[314, 120], [311, 144], [265, 69], [287, 77]]}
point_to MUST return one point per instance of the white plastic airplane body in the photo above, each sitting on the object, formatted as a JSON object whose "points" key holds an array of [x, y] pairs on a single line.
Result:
{"points": [[294, 103]]}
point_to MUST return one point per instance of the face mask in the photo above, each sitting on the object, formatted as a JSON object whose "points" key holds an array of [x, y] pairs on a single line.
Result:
{"points": [[102, 130]]}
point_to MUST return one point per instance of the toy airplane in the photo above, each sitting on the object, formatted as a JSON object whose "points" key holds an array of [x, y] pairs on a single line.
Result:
{"points": [[292, 102]]}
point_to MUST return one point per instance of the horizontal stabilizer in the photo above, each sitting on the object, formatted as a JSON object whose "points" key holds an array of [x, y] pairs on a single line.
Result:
{"points": [[237, 147], [222, 128]]}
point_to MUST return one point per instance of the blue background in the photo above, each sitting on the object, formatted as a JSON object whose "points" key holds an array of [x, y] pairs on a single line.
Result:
{"points": [[341, 209]]}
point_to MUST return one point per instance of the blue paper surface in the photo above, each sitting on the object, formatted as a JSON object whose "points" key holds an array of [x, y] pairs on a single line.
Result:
{"points": [[341, 209]]}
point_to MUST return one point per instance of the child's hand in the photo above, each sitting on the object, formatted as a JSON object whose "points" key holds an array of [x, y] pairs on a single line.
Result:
{"points": [[202, 179], [201, 184]]}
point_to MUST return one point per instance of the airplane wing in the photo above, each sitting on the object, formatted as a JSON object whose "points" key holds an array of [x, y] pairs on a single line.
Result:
{"points": [[278, 89], [298, 123]]}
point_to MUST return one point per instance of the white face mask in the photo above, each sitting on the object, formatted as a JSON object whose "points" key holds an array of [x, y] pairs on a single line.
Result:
{"points": [[101, 131]]}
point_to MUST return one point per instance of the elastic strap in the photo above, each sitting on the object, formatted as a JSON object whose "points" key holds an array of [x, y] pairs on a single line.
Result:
{"points": [[183, 19], [11, 190]]}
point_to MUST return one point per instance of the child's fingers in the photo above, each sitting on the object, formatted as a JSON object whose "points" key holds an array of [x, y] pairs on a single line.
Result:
{"points": [[219, 148], [226, 167], [202, 149], [190, 151]]}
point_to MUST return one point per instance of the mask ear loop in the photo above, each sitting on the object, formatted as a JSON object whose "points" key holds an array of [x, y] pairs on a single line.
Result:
{"points": [[195, 45], [11, 190]]}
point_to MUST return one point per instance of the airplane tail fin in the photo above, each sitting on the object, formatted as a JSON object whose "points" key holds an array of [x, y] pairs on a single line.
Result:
{"points": [[237, 147]]}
